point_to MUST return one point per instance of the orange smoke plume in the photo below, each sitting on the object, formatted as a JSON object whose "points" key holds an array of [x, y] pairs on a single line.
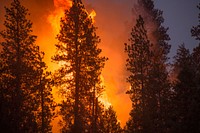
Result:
{"points": [[58, 13], [65, 4]]}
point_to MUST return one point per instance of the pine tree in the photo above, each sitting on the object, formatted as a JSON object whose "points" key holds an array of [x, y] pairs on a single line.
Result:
{"points": [[20, 74], [159, 32], [187, 88], [106, 120], [186, 101], [81, 65], [45, 112], [138, 64], [159, 77], [196, 99], [110, 122], [182, 66], [196, 29], [152, 111]]}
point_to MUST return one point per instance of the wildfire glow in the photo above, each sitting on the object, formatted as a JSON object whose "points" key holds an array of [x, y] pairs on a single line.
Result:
{"points": [[54, 20], [62, 4], [58, 13], [104, 97], [92, 15]]}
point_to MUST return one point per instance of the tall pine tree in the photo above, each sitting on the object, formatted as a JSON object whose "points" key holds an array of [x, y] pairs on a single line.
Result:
{"points": [[196, 63], [21, 75], [105, 120], [186, 92], [153, 109], [110, 122], [195, 31], [187, 87], [159, 77], [138, 64], [81, 65]]}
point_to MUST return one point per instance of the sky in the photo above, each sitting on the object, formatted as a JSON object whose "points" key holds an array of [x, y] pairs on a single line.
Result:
{"points": [[114, 21], [180, 16]]}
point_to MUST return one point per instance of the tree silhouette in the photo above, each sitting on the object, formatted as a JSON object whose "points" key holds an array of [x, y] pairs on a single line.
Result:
{"points": [[45, 112], [81, 65], [186, 91], [138, 64], [150, 87], [187, 88], [21, 75], [106, 120], [159, 78], [110, 122], [196, 91], [196, 29]]}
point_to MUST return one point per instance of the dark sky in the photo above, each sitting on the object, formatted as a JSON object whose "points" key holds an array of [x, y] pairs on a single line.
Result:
{"points": [[180, 16]]}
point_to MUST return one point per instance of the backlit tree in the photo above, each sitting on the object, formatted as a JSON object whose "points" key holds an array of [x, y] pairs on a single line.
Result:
{"points": [[80, 67], [138, 64], [159, 76], [110, 122]]}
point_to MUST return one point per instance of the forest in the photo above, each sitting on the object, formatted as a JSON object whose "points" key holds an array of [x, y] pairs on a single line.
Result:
{"points": [[164, 95]]}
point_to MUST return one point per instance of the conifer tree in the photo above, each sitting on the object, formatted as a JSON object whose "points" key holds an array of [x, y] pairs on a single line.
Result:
{"points": [[138, 64], [187, 87], [186, 90], [110, 122], [45, 112], [21, 75], [196, 29], [106, 120], [159, 76], [196, 89], [151, 113], [81, 65], [196, 53]]}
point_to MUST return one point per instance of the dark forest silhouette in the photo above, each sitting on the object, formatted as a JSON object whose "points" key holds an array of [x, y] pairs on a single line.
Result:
{"points": [[165, 97]]}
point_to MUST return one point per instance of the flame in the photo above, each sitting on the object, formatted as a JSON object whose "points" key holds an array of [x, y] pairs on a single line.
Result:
{"points": [[58, 13], [104, 97], [92, 15], [54, 20]]}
